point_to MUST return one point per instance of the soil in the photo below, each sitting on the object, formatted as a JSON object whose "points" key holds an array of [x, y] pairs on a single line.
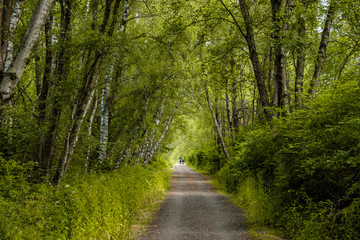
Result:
{"points": [[194, 210]]}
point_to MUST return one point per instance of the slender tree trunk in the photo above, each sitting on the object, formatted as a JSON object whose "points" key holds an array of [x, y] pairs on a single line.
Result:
{"points": [[15, 17], [290, 4], [281, 90], [89, 130], [79, 111], [235, 110], [253, 105], [13, 74], [218, 119], [135, 131], [279, 55], [105, 112], [43, 151], [320, 59], [250, 39], [161, 138], [343, 64], [107, 99], [217, 127], [5, 15], [6, 18], [228, 107], [1, 39], [300, 63], [270, 73], [83, 101]]}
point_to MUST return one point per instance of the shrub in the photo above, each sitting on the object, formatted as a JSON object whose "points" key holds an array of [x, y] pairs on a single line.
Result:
{"points": [[97, 206], [302, 173]]}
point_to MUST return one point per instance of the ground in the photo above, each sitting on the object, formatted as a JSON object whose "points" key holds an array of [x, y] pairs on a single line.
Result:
{"points": [[193, 210]]}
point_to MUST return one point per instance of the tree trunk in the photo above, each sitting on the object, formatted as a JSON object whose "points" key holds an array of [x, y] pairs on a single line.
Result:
{"points": [[150, 154], [89, 131], [134, 132], [105, 111], [15, 17], [281, 90], [255, 59], [13, 74], [217, 127], [290, 4], [320, 59], [83, 101], [1, 39], [5, 16], [228, 107], [42, 94], [270, 73], [107, 99], [300, 62], [253, 105], [279, 66], [343, 64], [79, 111], [235, 109]]}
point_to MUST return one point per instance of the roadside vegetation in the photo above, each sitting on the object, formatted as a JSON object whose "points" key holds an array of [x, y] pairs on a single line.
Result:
{"points": [[98, 96], [92, 206], [299, 173]]}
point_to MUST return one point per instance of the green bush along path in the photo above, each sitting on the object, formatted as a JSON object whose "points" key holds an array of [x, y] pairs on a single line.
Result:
{"points": [[99, 98]]}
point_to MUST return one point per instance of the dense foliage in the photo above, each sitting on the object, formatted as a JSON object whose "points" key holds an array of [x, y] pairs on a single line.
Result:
{"points": [[301, 172], [96, 206], [262, 94]]}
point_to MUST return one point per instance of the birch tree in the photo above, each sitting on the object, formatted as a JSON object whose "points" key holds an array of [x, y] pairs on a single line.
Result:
{"points": [[11, 77], [87, 90]]}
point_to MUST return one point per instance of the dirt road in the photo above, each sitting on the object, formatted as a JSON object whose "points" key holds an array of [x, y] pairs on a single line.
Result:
{"points": [[193, 210]]}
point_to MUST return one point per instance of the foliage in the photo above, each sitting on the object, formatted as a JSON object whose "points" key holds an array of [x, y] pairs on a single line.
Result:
{"points": [[96, 206], [209, 160], [300, 174], [154, 57]]}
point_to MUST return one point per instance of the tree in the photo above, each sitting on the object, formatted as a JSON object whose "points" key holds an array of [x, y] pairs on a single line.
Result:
{"points": [[12, 76], [321, 55]]}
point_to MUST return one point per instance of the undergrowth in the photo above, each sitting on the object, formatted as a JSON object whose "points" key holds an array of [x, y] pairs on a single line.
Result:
{"points": [[300, 173], [96, 206]]}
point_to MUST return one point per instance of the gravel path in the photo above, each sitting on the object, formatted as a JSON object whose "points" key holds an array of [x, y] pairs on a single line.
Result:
{"points": [[193, 210]]}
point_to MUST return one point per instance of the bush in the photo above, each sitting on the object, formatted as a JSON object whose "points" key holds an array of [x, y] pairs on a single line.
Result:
{"points": [[260, 203], [302, 173], [98, 206]]}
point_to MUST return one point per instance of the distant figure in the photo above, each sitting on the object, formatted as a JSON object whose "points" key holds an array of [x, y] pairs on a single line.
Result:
{"points": [[181, 161]]}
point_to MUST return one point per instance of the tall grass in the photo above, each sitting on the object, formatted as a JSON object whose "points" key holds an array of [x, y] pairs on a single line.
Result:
{"points": [[96, 206]]}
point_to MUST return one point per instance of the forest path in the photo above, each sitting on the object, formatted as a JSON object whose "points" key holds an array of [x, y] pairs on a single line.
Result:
{"points": [[193, 210]]}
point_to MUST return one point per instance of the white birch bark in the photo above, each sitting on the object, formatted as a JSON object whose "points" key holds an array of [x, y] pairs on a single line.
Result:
{"points": [[158, 143], [73, 136], [105, 111], [135, 131], [15, 17], [17, 67], [91, 120]]}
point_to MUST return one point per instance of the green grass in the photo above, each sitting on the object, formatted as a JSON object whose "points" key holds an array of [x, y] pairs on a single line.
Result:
{"points": [[97, 206]]}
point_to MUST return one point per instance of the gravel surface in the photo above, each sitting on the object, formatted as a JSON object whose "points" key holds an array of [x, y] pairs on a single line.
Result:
{"points": [[193, 210]]}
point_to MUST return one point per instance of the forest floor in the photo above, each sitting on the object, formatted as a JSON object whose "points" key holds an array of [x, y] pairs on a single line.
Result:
{"points": [[194, 210]]}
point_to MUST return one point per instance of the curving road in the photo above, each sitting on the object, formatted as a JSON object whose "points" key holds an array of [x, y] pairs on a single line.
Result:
{"points": [[193, 210]]}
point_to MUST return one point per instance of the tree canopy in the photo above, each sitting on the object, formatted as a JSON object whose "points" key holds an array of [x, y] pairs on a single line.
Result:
{"points": [[264, 89]]}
